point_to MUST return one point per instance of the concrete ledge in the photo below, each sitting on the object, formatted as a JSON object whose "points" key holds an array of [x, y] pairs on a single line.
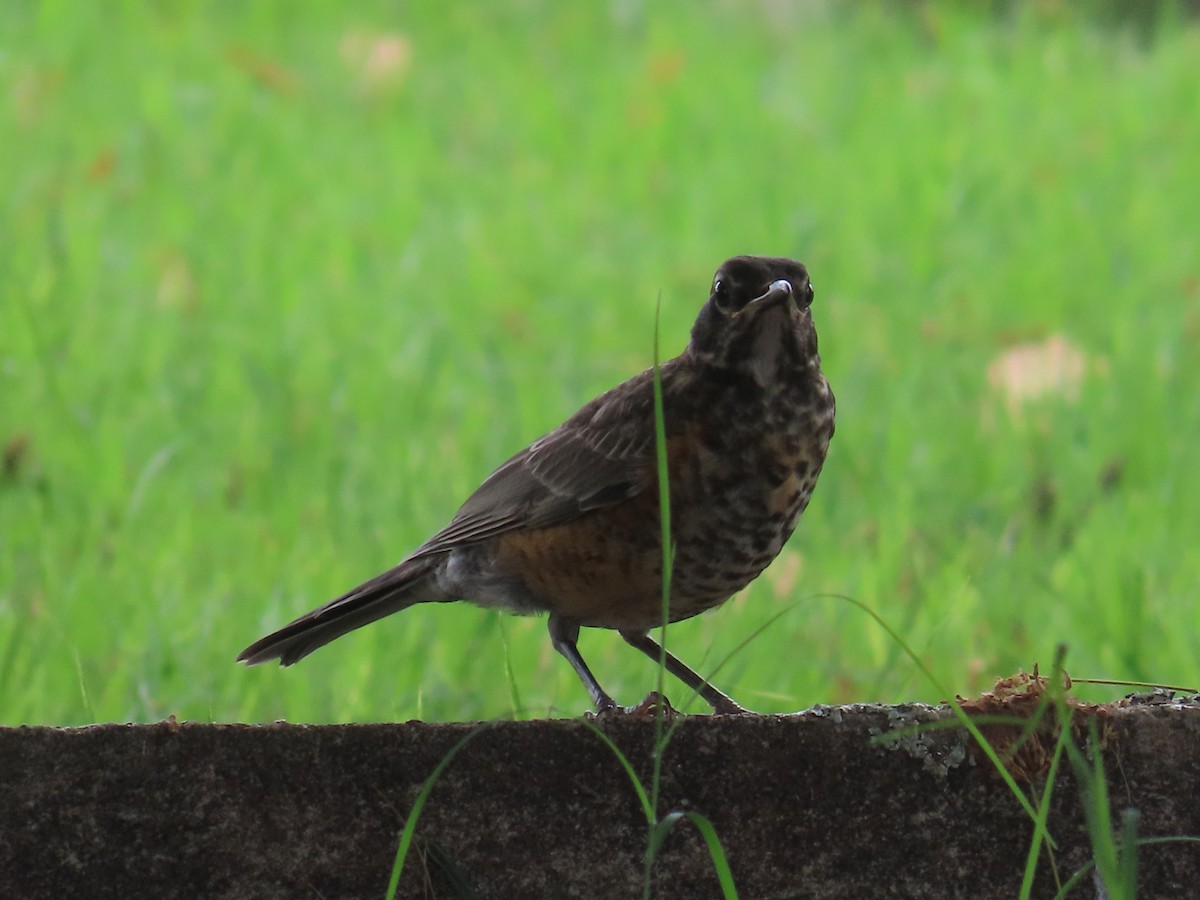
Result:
{"points": [[804, 805]]}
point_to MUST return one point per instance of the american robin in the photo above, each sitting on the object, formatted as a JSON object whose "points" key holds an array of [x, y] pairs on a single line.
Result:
{"points": [[570, 526]]}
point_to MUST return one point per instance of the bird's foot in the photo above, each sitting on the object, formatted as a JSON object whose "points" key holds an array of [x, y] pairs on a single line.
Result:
{"points": [[650, 705], [647, 709]]}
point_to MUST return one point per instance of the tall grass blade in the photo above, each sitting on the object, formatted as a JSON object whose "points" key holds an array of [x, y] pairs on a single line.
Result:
{"points": [[664, 521], [1097, 811], [1127, 862], [659, 833]]}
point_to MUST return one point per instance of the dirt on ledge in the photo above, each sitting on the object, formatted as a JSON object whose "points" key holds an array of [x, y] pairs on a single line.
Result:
{"points": [[811, 805]]}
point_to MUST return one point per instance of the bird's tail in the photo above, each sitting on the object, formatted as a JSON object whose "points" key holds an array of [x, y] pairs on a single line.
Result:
{"points": [[407, 584]]}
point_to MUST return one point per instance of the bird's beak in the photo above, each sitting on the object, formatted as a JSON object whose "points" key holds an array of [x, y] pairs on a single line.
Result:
{"points": [[779, 292]]}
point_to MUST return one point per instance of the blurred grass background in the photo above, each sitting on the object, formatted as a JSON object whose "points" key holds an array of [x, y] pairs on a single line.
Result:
{"points": [[281, 283]]}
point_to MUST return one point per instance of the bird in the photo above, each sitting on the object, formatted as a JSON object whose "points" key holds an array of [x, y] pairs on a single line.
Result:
{"points": [[571, 525]]}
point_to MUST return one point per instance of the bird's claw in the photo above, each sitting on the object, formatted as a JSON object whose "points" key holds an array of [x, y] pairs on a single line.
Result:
{"points": [[650, 706], [647, 709]]}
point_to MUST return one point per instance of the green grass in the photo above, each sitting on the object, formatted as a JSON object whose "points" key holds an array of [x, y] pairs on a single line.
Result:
{"points": [[264, 324]]}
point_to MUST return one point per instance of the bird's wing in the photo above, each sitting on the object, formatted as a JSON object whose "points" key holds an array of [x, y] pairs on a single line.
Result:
{"points": [[600, 456]]}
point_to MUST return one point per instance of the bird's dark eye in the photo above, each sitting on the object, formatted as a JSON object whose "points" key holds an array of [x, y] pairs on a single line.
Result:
{"points": [[720, 296]]}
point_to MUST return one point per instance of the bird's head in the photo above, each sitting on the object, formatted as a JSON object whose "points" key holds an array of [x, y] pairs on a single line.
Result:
{"points": [[757, 319]]}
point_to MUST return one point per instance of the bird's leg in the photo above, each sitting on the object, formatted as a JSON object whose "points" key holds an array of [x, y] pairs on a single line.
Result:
{"points": [[720, 702], [563, 635]]}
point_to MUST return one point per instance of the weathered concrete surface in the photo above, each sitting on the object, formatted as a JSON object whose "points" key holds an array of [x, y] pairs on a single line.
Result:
{"points": [[805, 805]]}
